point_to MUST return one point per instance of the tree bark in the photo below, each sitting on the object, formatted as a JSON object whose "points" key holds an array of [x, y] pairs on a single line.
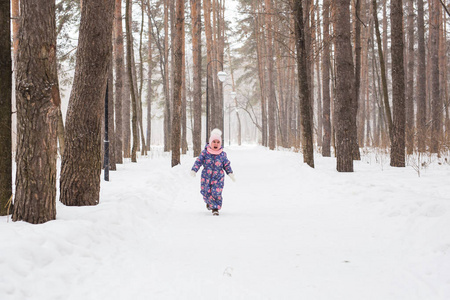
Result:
{"points": [[149, 86], [305, 101], [271, 88], [345, 81], [436, 103], [134, 122], [421, 79], [410, 81], [37, 113], [81, 163], [398, 85], [5, 108], [178, 65], [326, 145], [197, 73], [383, 70], [119, 65], [355, 146]]}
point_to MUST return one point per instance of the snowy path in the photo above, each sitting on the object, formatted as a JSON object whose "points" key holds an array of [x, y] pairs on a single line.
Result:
{"points": [[285, 232]]}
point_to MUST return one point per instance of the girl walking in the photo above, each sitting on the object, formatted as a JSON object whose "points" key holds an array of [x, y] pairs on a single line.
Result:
{"points": [[214, 161]]}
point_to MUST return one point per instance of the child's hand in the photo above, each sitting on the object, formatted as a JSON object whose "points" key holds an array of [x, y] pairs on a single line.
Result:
{"points": [[232, 177], [193, 173]]}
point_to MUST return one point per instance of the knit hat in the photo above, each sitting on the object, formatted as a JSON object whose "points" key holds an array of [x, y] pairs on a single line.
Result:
{"points": [[216, 134]]}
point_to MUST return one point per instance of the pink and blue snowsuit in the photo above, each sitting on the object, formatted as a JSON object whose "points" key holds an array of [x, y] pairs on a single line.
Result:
{"points": [[212, 181]]}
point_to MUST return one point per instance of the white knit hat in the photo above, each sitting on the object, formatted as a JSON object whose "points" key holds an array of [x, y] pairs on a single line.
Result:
{"points": [[216, 134]]}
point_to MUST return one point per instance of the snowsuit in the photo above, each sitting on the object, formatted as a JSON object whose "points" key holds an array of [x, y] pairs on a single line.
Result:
{"points": [[212, 180]]}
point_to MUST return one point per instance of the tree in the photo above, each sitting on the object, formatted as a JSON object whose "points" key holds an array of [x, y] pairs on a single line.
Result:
{"points": [[410, 81], [271, 88], [37, 113], [326, 145], [197, 74], [436, 103], [421, 79], [81, 162], [5, 107], [134, 123], [178, 65], [398, 85], [305, 102], [119, 66], [345, 81]]}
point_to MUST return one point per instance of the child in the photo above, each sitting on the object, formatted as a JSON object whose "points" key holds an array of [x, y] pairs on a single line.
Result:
{"points": [[214, 160]]}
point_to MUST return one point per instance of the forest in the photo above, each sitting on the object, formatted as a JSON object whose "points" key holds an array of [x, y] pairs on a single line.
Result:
{"points": [[86, 85]]}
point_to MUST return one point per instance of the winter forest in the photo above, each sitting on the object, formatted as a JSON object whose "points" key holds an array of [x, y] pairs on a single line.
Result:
{"points": [[328, 100]]}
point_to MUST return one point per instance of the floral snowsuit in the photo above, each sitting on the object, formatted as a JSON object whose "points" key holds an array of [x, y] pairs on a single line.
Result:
{"points": [[212, 176]]}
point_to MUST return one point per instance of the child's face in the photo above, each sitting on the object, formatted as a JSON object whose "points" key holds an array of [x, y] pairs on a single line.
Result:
{"points": [[215, 144]]}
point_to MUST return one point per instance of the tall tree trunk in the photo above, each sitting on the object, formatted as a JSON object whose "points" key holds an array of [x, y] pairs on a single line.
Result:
{"points": [[271, 88], [149, 86], [119, 65], [134, 121], [184, 144], [410, 81], [326, 145], [209, 68], [261, 73], [197, 72], [305, 101], [5, 108], [355, 146], [167, 105], [398, 85], [383, 70], [421, 80], [345, 81], [81, 163], [436, 103], [37, 113], [178, 65]]}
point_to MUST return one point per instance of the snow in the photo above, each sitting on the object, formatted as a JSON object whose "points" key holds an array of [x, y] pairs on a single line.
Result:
{"points": [[286, 231]]}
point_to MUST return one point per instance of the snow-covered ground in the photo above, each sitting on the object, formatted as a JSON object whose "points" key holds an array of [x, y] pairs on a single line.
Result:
{"points": [[286, 231]]}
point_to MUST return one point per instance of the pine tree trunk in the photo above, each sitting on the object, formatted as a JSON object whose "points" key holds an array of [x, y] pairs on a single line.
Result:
{"points": [[421, 80], [149, 86], [383, 71], [410, 81], [345, 81], [134, 121], [436, 103], [209, 68], [5, 108], [37, 113], [119, 66], [197, 74], [261, 74], [305, 101], [398, 85], [271, 87], [81, 163], [167, 104], [184, 144], [355, 145], [326, 145], [178, 65]]}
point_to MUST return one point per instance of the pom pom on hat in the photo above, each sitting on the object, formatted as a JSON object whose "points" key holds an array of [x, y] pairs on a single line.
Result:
{"points": [[216, 134]]}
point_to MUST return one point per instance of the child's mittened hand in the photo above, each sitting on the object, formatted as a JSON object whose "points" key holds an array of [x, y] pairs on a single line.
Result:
{"points": [[232, 177], [193, 173]]}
